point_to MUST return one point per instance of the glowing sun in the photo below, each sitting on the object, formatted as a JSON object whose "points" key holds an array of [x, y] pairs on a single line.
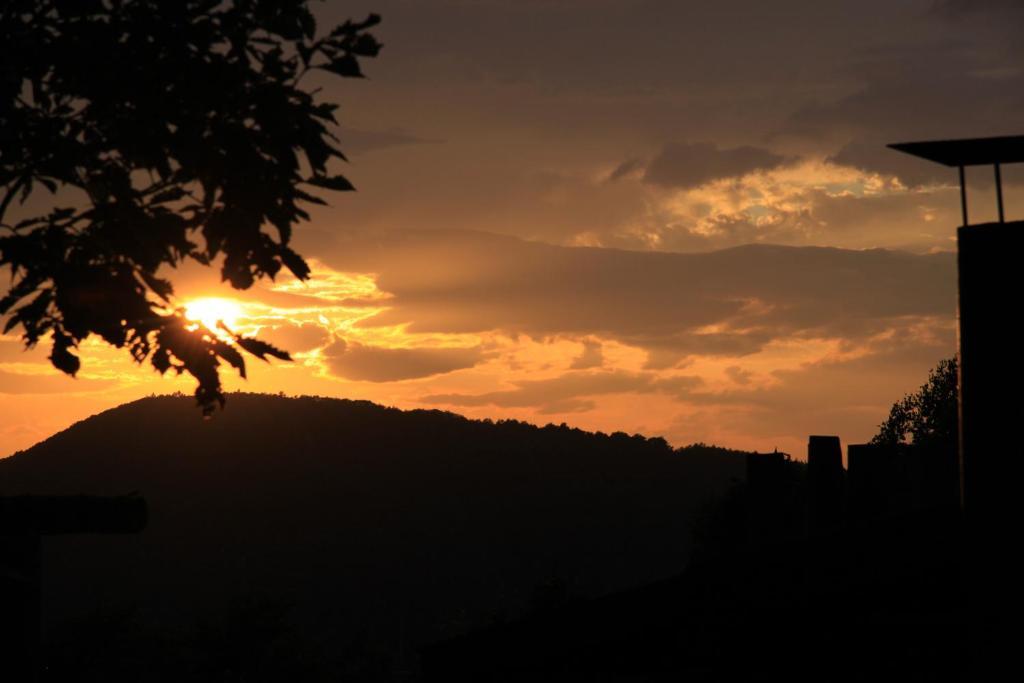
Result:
{"points": [[209, 311]]}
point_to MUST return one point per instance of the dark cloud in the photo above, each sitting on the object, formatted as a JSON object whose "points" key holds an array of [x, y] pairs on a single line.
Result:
{"points": [[682, 165], [356, 361], [731, 302], [848, 396], [567, 406], [738, 375], [295, 338], [875, 157], [958, 75], [559, 44], [732, 229], [928, 103], [592, 356], [917, 221], [887, 218], [355, 141], [870, 117], [530, 118], [957, 7], [626, 168], [554, 395]]}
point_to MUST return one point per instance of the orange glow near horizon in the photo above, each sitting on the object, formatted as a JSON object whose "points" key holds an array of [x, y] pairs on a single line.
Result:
{"points": [[347, 341]]}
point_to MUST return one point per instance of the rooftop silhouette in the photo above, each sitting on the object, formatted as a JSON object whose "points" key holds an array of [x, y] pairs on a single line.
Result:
{"points": [[994, 151]]}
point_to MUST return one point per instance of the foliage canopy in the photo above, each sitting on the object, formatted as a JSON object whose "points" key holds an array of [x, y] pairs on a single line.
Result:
{"points": [[173, 131], [928, 417]]}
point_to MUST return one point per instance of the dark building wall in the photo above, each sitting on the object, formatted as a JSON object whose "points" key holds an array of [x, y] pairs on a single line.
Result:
{"points": [[773, 498], [991, 371], [991, 415], [826, 483]]}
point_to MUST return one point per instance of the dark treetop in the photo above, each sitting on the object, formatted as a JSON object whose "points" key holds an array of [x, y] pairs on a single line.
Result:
{"points": [[167, 131], [929, 416]]}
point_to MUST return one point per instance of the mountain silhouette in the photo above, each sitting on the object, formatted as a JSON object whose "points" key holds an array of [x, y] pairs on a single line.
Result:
{"points": [[364, 523]]}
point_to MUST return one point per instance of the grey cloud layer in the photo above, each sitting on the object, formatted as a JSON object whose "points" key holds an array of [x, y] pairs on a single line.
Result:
{"points": [[728, 302], [355, 361], [683, 165], [834, 396], [956, 72], [592, 356], [533, 111], [561, 393], [363, 141]]}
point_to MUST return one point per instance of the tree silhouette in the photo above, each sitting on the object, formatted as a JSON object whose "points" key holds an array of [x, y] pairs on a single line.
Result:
{"points": [[929, 416], [166, 132]]}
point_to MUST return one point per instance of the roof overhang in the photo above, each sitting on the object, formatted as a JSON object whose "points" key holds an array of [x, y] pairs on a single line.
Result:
{"points": [[970, 152], [994, 152]]}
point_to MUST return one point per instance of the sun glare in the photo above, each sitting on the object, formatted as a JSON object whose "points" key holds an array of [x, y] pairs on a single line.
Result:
{"points": [[209, 311]]}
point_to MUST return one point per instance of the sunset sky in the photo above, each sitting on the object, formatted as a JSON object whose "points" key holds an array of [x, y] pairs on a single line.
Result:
{"points": [[673, 218]]}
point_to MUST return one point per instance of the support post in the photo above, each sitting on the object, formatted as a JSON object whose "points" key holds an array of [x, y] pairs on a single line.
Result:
{"points": [[999, 195], [963, 196]]}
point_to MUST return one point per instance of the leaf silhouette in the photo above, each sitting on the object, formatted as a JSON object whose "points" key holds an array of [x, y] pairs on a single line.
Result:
{"points": [[336, 182], [183, 124], [61, 356], [261, 349]]}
